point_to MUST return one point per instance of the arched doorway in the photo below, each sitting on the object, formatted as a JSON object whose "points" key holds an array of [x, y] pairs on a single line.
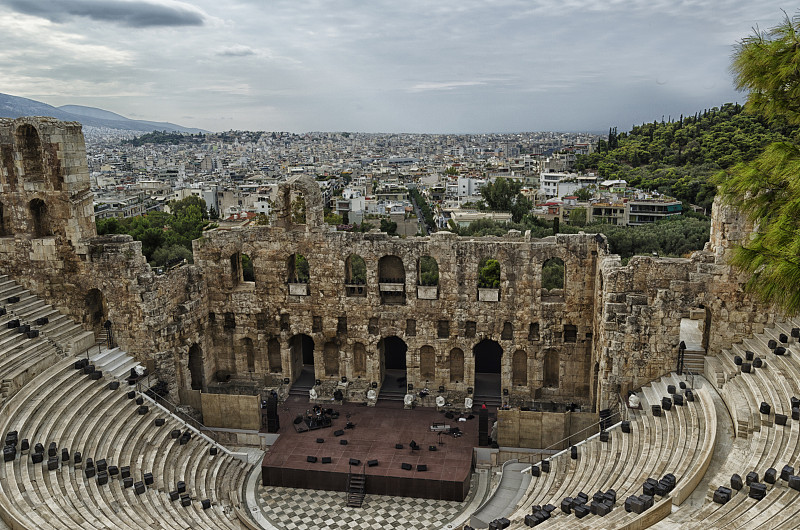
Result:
{"points": [[488, 368], [393, 365], [95, 310], [39, 218], [302, 355], [195, 367]]}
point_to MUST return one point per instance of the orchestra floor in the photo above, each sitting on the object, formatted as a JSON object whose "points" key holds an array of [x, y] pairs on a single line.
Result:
{"points": [[375, 433]]}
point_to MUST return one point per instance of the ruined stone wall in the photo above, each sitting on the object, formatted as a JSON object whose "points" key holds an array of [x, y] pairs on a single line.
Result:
{"points": [[610, 329], [265, 309], [641, 305], [54, 250]]}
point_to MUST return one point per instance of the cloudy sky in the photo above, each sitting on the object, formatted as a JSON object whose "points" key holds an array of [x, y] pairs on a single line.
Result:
{"points": [[377, 66]]}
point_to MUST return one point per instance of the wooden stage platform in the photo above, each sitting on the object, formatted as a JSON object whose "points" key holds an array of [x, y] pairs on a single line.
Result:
{"points": [[377, 430]]}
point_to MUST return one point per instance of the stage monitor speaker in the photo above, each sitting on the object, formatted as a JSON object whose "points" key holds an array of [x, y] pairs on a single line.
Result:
{"points": [[326, 460], [398, 446], [311, 459], [422, 467], [342, 442], [340, 432], [355, 462], [406, 466], [483, 427], [372, 463], [320, 440]]}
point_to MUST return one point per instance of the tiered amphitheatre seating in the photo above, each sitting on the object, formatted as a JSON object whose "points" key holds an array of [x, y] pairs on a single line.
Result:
{"points": [[680, 442], [61, 404], [764, 444], [23, 357]]}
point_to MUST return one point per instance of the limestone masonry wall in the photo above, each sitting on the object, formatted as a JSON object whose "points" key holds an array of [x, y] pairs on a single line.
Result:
{"points": [[203, 327]]}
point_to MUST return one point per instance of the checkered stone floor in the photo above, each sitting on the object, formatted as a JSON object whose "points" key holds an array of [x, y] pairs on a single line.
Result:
{"points": [[302, 509]]}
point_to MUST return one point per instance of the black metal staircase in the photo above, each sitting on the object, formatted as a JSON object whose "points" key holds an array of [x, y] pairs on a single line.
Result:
{"points": [[356, 484]]}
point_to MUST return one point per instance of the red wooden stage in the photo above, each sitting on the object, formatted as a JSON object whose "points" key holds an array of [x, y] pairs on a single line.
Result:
{"points": [[377, 430]]}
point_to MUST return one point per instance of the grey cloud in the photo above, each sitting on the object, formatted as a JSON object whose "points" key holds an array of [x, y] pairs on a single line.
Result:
{"points": [[236, 51], [135, 14]]}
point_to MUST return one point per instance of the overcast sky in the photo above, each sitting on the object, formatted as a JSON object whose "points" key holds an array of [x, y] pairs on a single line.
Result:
{"points": [[375, 66]]}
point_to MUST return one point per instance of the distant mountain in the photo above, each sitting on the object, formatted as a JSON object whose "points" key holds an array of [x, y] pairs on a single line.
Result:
{"points": [[15, 107]]}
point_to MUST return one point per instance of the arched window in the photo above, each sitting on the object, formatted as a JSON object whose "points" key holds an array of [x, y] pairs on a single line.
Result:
{"points": [[274, 355], [249, 353], [427, 278], [489, 280], [519, 368], [196, 367], [355, 275], [533, 331], [508, 331], [330, 354], [427, 271], [427, 363], [248, 273], [359, 360], [456, 365], [30, 146], [551, 369], [392, 280], [95, 309], [39, 218], [298, 270], [553, 280], [298, 274], [241, 269]]}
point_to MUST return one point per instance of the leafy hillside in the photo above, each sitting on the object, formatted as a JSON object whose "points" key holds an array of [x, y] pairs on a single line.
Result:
{"points": [[678, 157]]}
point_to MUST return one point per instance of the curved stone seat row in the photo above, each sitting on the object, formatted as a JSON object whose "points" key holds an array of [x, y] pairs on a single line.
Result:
{"points": [[48, 400], [765, 445], [680, 442], [66, 407]]}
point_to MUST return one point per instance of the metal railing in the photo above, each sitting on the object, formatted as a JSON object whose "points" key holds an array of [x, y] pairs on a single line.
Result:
{"points": [[552, 447]]}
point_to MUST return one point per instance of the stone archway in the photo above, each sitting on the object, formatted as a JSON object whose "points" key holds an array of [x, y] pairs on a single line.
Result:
{"points": [[195, 365], [393, 362], [488, 356], [95, 310]]}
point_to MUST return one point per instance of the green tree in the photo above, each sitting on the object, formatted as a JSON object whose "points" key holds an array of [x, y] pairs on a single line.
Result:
{"points": [[248, 274], [333, 219], [765, 65], [553, 274], [583, 194], [428, 271], [489, 273], [767, 189], [162, 255], [390, 227], [577, 216]]}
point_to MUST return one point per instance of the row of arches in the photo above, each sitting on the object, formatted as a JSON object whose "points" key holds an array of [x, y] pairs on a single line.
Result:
{"points": [[391, 270], [393, 356], [38, 216]]}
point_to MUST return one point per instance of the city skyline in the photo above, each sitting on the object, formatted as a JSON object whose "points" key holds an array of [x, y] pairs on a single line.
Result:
{"points": [[450, 68]]}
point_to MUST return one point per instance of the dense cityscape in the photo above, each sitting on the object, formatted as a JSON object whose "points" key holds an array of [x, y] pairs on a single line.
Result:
{"points": [[364, 178]]}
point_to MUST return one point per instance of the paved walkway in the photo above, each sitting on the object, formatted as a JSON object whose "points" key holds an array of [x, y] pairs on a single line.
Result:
{"points": [[302, 509]]}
